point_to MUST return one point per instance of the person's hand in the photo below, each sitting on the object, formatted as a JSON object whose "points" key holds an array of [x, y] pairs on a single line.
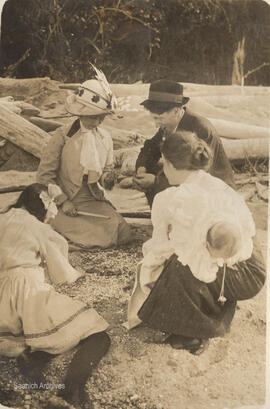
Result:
{"points": [[60, 199], [141, 170], [69, 209], [143, 180], [108, 180]]}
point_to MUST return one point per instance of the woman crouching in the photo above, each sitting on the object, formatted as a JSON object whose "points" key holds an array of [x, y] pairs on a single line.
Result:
{"points": [[36, 322], [202, 257]]}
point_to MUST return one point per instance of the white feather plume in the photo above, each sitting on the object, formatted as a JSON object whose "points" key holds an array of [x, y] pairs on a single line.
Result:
{"points": [[103, 80], [100, 76]]}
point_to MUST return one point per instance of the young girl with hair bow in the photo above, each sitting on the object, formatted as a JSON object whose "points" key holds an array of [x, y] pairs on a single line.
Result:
{"points": [[36, 322]]}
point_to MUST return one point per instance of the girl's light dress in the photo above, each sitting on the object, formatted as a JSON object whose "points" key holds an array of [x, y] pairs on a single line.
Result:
{"points": [[32, 313]]}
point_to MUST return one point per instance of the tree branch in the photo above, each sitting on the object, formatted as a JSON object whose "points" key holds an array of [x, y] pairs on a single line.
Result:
{"points": [[256, 69]]}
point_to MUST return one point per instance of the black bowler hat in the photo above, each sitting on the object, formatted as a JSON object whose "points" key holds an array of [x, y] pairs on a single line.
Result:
{"points": [[165, 93]]}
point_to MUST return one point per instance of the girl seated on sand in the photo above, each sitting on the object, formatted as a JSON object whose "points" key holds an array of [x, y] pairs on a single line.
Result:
{"points": [[202, 257], [36, 322], [79, 159]]}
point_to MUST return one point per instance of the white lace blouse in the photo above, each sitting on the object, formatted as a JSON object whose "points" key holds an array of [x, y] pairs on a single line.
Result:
{"points": [[181, 218]]}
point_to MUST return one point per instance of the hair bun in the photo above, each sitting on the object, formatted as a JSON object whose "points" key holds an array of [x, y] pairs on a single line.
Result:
{"points": [[185, 150], [201, 155]]}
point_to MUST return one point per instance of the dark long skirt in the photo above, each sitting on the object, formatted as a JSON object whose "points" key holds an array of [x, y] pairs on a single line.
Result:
{"points": [[181, 304]]}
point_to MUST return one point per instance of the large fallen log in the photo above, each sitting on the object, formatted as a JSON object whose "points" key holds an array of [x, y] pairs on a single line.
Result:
{"points": [[206, 109], [224, 120], [246, 148], [237, 130], [6, 200], [190, 89], [14, 181], [19, 107], [21, 132], [47, 125], [32, 139], [236, 150], [71, 86], [27, 109], [8, 103]]}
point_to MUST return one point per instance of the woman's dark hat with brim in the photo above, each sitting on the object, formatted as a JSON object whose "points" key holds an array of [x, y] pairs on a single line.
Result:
{"points": [[165, 92]]}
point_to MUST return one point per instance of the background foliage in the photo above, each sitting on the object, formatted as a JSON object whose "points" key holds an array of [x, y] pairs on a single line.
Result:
{"points": [[206, 41]]}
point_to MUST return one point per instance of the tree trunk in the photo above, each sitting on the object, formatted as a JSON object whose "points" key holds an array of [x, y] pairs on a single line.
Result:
{"points": [[22, 133], [238, 62]]}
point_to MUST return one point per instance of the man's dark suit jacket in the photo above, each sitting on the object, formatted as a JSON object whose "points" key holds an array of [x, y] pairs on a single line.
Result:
{"points": [[150, 153]]}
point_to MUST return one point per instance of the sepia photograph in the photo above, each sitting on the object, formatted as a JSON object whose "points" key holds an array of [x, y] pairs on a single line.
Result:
{"points": [[134, 189]]}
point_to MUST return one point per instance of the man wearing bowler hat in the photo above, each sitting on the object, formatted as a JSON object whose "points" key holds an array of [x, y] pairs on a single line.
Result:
{"points": [[166, 104]]}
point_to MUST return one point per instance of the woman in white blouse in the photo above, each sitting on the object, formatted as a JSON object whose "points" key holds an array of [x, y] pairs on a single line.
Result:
{"points": [[79, 159], [202, 257]]}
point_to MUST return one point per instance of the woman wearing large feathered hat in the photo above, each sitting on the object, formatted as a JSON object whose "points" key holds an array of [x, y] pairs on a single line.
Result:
{"points": [[79, 158]]}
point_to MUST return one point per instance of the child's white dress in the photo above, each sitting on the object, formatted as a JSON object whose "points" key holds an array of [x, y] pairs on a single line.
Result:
{"points": [[32, 313]]}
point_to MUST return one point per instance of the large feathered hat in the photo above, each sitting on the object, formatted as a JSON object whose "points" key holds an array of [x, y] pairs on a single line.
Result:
{"points": [[93, 97]]}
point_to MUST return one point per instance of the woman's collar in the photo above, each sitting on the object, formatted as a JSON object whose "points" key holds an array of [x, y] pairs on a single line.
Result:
{"points": [[84, 129]]}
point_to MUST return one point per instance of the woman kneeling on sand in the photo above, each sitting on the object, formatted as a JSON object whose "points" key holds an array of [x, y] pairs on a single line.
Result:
{"points": [[79, 159], [202, 257], [36, 322]]}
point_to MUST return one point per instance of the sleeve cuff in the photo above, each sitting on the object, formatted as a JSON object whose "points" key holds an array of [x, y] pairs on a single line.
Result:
{"points": [[60, 199]]}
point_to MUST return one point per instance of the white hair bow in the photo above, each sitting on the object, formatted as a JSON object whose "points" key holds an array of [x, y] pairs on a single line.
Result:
{"points": [[48, 201]]}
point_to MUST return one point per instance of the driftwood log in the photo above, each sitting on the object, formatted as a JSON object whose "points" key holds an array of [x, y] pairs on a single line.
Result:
{"points": [[237, 130], [8, 102], [236, 150], [19, 107], [47, 125], [27, 109], [32, 139], [15, 181], [246, 148], [228, 128], [21, 132]]}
